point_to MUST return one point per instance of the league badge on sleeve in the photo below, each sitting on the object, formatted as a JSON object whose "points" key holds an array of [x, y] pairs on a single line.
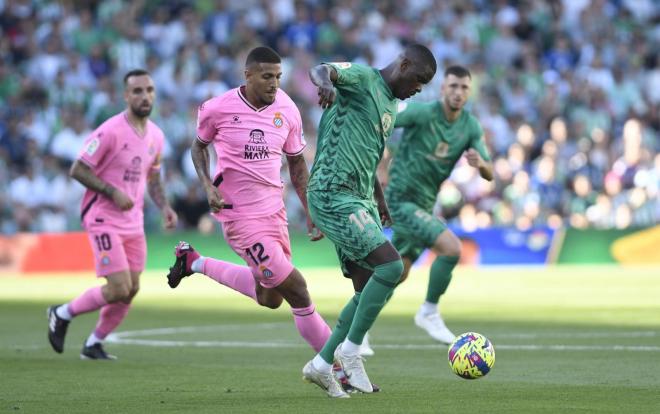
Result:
{"points": [[92, 146]]}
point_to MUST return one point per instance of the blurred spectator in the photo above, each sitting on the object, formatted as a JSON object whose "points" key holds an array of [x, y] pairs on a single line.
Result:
{"points": [[69, 141], [14, 142], [27, 193]]}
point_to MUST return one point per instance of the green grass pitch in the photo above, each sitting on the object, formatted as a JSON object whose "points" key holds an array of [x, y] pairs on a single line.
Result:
{"points": [[567, 340]]}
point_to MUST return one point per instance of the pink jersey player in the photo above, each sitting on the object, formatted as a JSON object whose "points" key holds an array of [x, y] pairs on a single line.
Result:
{"points": [[119, 160], [249, 144], [251, 128], [123, 158]]}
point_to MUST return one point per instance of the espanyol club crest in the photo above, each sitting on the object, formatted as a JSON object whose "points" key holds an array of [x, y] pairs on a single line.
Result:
{"points": [[267, 273], [277, 120]]}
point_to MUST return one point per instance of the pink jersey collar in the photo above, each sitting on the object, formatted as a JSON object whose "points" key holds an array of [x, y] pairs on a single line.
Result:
{"points": [[244, 99], [146, 127]]}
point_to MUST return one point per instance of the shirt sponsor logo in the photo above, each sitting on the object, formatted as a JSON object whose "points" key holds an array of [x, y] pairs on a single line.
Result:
{"points": [[257, 147], [278, 121], [133, 173]]}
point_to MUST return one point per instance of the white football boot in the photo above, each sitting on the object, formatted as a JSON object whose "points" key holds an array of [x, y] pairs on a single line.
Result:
{"points": [[365, 348], [354, 369], [435, 326], [327, 382]]}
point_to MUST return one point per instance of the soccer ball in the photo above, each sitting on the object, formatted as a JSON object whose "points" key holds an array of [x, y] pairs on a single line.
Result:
{"points": [[471, 355]]}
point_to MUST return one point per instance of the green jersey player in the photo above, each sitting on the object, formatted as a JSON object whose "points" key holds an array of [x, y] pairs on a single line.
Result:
{"points": [[346, 201], [435, 136]]}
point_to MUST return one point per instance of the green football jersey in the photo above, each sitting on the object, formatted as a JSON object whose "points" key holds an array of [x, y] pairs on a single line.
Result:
{"points": [[352, 132], [428, 150]]}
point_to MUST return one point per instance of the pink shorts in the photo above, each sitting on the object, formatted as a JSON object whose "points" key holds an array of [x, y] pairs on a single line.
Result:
{"points": [[116, 252], [263, 243]]}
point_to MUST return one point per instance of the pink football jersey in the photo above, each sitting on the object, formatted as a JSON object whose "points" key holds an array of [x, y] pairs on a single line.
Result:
{"points": [[118, 155], [249, 143]]}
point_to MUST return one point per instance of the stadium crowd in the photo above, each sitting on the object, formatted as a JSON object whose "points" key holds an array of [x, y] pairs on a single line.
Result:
{"points": [[567, 91]]}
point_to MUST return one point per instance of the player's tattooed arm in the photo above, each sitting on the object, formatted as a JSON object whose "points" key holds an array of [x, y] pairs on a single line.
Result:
{"points": [[299, 178], [157, 194], [324, 77], [383, 210], [82, 173], [156, 190], [201, 160], [199, 153]]}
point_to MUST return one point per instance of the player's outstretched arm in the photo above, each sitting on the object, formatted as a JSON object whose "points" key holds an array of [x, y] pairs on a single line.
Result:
{"points": [[299, 178], [324, 77], [157, 194], [200, 156], [82, 173]]}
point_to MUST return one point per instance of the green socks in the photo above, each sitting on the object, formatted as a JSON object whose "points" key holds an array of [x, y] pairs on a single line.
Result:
{"points": [[341, 329], [440, 277], [362, 309], [374, 296]]}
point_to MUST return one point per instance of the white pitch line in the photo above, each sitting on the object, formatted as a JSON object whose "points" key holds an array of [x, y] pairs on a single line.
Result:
{"points": [[131, 338], [196, 329], [583, 335], [279, 325]]}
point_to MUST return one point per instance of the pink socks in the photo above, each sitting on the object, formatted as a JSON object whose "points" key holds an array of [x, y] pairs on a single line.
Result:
{"points": [[233, 276], [91, 300], [311, 326], [110, 317]]}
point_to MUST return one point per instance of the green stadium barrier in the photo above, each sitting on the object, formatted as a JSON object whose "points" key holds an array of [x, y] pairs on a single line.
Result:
{"points": [[593, 246]]}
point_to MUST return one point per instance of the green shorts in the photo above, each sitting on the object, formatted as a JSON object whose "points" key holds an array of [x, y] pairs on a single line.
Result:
{"points": [[350, 222], [414, 229]]}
